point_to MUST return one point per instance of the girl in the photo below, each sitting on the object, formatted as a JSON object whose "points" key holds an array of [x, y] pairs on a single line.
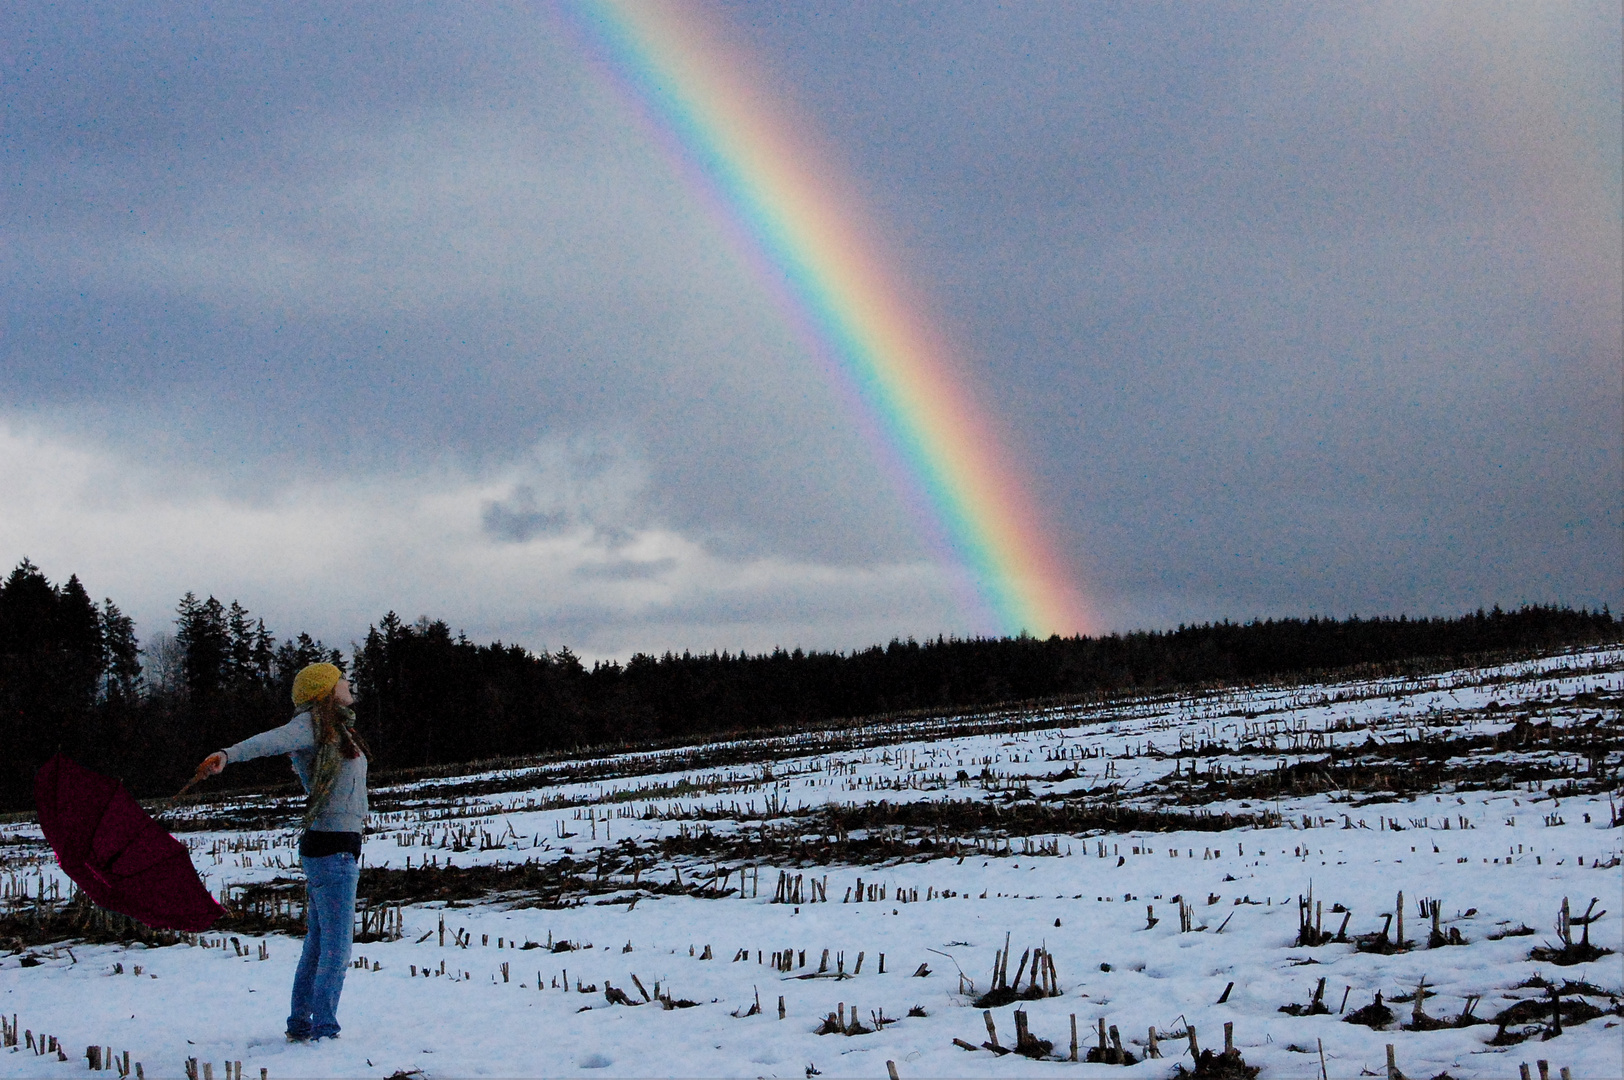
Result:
{"points": [[331, 761]]}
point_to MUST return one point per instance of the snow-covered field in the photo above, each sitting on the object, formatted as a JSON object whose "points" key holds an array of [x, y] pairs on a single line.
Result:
{"points": [[1083, 832]]}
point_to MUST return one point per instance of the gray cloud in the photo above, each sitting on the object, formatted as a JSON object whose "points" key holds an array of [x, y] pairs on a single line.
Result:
{"points": [[1305, 309], [516, 519], [462, 274], [628, 570], [331, 555], [1293, 310]]}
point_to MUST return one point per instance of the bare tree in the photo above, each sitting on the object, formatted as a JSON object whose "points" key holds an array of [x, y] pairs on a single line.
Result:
{"points": [[164, 665]]}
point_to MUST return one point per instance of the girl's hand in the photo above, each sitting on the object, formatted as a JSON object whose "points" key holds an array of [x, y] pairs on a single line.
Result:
{"points": [[212, 765]]}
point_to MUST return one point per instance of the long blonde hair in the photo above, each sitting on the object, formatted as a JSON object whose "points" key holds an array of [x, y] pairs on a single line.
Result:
{"points": [[334, 726]]}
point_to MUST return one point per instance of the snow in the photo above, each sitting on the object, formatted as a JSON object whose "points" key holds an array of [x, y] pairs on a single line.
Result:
{"points": [[1087, 908]]}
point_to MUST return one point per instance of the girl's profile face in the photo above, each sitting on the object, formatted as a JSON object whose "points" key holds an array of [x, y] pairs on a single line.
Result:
{"points": [[342, 695]]}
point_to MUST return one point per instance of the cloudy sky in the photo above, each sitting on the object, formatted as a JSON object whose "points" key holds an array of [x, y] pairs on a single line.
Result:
{"points": [[1285, 310]]}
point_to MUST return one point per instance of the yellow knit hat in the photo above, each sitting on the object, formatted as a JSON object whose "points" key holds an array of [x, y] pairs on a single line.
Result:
{"points": [[315, 681]]}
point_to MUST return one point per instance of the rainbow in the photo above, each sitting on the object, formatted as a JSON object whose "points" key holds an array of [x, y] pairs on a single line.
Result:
{"points": [[796, 228]]}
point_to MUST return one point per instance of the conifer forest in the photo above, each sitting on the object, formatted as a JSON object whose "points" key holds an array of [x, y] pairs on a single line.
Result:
{"points": [[74, 677]]}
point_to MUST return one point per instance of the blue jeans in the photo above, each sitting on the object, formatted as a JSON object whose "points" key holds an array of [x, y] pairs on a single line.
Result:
{"points": [[329, 926]]}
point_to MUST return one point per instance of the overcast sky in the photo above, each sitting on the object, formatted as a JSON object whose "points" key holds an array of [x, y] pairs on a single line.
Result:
{"points": [[1287, 310]]}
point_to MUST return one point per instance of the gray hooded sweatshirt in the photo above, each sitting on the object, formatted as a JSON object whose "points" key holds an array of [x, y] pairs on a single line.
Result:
{"points": [[347, 810]]}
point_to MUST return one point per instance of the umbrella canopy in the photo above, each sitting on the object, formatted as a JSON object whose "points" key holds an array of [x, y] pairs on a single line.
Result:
{"points": [[120, 857]]}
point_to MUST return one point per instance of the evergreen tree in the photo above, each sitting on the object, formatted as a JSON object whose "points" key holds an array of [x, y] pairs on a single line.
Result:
{"points": [[71, 679], [83, 650], [239, 673], [51, 661], [205, 642], [123, 676], [262, 656]]}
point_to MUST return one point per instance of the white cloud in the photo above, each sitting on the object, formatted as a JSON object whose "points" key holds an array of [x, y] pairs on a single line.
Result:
{"points": [[601, 575]]}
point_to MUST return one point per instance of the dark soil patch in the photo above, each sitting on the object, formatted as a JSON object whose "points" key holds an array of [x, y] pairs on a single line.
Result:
{"points": [[277, 906], [1430, 1023], [49, 922], [1538, 1010], [1568, 986], [1409, 766], [1516, 931], [935, 828], [1380, 944], [1228, 1065], [1037, 1048], [1568, 955], [1004, 995], [1533, 1016], [1375, 1015]]}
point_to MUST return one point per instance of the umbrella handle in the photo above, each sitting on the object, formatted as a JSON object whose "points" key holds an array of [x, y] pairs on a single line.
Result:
{"points": [[170, 802], [197, 778]]}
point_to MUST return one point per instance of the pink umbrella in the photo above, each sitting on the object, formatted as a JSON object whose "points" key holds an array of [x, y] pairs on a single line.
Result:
{"points": [[120, 857]]}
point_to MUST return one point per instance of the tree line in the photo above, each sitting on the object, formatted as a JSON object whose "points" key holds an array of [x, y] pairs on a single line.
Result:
{"points": [[74, 678]]}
